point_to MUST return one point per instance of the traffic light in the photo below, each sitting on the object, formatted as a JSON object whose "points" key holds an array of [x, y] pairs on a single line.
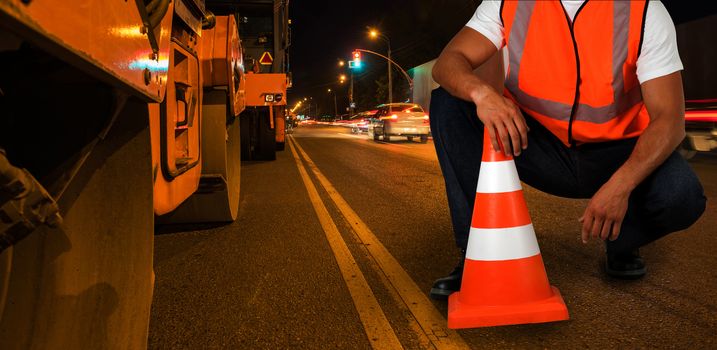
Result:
{"points": [[356, 62]]}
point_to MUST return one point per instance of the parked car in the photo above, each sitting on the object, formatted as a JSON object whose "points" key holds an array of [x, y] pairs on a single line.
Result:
{"points": [[700, 126], [399, 119]]}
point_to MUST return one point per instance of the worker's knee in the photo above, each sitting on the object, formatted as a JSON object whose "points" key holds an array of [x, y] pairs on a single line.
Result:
{"points": [[682, 207], [448, 109], [680, 200]]}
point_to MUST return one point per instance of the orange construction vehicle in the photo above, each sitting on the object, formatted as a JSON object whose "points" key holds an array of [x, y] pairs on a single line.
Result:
{"points": [[114, 114], [264, 30]]}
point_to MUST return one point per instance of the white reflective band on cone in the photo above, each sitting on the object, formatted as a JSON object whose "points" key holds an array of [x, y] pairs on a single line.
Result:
{"points": [[498, 177], [492, 244]]}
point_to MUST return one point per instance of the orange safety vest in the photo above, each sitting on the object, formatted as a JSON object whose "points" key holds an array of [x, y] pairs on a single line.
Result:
{"points": [[577, 79]]}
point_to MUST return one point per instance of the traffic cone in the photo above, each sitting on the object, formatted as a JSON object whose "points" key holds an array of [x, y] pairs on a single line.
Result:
{"points": [[504, 280]]}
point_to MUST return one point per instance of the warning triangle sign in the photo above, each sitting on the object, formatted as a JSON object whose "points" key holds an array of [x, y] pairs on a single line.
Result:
{"points": [[266, 59]]}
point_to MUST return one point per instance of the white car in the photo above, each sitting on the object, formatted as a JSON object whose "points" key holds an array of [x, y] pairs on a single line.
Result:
{"points": [[399, 119], [700, 127]]}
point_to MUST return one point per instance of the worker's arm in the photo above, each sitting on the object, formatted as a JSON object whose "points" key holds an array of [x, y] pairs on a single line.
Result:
{"points": [[454, 72], [665, 104]]}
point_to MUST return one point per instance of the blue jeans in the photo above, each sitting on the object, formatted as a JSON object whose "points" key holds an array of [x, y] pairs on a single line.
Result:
{"points": [[669, 200]]}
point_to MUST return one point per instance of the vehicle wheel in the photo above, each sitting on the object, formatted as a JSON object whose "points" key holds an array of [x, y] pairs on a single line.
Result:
{"points": [[257, 137], [424, 138], [410, 138], [386, 137], [88, 284], [217, 199]]}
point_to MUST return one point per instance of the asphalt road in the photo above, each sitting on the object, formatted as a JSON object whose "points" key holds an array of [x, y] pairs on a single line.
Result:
{"points": [[273, 279]]}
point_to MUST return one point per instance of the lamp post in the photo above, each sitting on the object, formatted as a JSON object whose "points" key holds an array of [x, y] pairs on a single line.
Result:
{"points": [[342, 79], [373, 33], [351, 95], [336, 109], [309, 100]]}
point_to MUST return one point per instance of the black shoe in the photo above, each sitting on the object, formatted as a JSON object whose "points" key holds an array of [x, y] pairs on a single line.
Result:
{"points": [[443, 287], [627, 266]]}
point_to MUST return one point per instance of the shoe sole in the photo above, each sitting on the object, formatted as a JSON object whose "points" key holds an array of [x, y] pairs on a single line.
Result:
{"points": [[440, 294], [625, 274]]}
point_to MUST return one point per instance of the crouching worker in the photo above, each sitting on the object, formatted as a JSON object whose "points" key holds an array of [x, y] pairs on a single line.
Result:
{"points": [[592, 107]]}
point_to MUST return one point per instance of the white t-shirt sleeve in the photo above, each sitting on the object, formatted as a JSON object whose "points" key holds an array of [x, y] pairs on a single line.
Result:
{"points": [[659, 55], [486, 21]]}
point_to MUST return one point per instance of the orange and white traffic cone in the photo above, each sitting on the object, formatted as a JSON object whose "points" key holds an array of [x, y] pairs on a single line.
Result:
{"points": [[504, 280]]}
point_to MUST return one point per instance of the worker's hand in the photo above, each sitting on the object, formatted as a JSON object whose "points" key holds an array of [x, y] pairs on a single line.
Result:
{"points": [[605, 212], [503, 120]]}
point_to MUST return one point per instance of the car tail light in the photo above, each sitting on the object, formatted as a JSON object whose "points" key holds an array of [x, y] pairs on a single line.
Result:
{"points": [[425, 119], [701, 116]]}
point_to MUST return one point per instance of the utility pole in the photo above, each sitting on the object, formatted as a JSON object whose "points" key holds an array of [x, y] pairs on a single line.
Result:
{"points": [[373, 33], [351, 94], [336, 109], [390, 81]]}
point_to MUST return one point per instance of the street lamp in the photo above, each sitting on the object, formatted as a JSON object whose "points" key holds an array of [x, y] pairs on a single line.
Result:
{"points": [[342, 79], [373, 33], [308, 104], [336, 110], [298, 104]]}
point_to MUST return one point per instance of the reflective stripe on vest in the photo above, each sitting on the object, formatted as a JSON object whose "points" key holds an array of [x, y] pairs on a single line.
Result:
{"points": [[560, 111]]}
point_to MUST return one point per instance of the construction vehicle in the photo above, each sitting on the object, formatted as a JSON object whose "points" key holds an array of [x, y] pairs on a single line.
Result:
{"points": [[114, 114], [265, 41]]}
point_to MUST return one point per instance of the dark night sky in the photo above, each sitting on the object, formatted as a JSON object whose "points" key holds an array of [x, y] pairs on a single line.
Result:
{"points": [[325, 31]]}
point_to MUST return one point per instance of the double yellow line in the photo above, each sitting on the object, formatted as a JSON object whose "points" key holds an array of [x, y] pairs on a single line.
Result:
{"points": [[431, 328]]}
